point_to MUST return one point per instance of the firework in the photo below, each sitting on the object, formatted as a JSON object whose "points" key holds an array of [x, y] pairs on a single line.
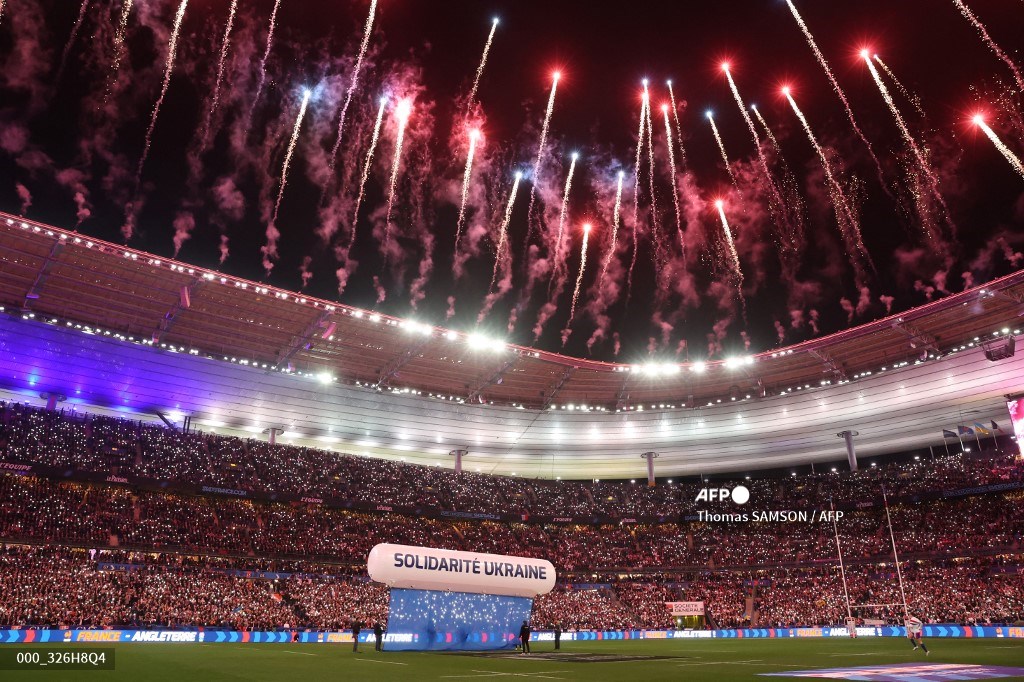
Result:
{"points": [[733, 255], [912, 98], [559, 260], [402, 112], [266, 55], [215, 98], [655, 231], [122, 24], [480, 68], [838, 90], [721, 147], [844, 215], [979, 121], [996, 50], [355, 81], [919, 154], [474, 135], [672, 170], [767, 130], [366, 167], [503, 232], [579, 276], [71, 38], [644, 106], [172, 51], [291, 151], [679, 128], [615, 229], [540, 151]]}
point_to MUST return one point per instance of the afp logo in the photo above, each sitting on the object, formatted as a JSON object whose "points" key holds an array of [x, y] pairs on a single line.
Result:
{"points": [[739, 495]]}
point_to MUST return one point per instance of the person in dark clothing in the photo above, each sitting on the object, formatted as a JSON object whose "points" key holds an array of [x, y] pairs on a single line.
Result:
{"points": [[558, 636], [356, 625], [524, 637], [378, 635]]}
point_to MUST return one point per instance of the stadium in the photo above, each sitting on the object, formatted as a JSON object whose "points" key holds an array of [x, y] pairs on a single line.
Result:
{"points": [[330, 370]]}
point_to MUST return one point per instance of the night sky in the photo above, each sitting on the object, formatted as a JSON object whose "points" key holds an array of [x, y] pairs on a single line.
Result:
{"points": [[81, 131]]}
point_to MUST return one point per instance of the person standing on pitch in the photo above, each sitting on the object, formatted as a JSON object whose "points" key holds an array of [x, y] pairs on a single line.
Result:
{"points": [[558, 636], [524, 637], [378, 634], [355, 634], [915, 632]]}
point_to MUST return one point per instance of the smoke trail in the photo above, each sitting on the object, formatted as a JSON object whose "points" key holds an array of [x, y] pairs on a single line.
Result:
{"points": [[615, 231], [270, 250], [721, 148], [474, 135], [922, 161], [579, 282], [402, 112], [996, 50], [366, 168], [540, 154], [71, 39], [838, 90], [558, 257], [480, 69], [215, 99], [912, 98], [263, 60], [172, 51], [679, 128], [499, 256], [355, 81], [25, 196], [672, 170]]}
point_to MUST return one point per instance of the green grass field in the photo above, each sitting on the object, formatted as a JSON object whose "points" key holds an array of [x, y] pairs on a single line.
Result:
{"points": [[691, 660]]}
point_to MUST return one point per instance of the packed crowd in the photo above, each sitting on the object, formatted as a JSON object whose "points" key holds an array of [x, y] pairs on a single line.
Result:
{"points": [[36, 509], [103, 445], [49, 586]]}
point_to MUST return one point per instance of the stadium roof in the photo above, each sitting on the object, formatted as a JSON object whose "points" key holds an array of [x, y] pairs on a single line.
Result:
{"points": [[66, 276]]}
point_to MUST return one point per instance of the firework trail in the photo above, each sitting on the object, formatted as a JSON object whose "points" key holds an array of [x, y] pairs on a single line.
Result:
{"points": [[366, 168], [721, 148], [659, 251], [480, 69], [559, 259], [922, 161], [672, 169], [215, 99], [979, 121], [838, 90], [355, 81], [679, 128], [579, 281], [615, 230], [291, 151], [499, 255], [172, 51], [266, 55], [2, 5], [996, 50], [119, 35], [844, 216], [912, 98], [540, 153], [402, 112], [474, 135], [644, 106], [767, 130], [71, 39], [733, 255]]}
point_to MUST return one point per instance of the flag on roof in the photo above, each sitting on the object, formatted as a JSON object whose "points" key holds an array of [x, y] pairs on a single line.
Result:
{"points": [[981, 429], [995, 427], [948, 434], [965, 430]]}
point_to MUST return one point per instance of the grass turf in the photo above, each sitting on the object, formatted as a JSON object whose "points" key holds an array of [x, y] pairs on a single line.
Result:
{"points": [[693, 660]]}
